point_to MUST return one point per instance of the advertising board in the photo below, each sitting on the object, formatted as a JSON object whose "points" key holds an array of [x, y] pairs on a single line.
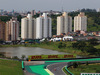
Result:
{"points": [[37, 57]]}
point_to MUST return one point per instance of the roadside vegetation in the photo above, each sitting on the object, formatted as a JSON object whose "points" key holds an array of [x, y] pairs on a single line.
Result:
{"points": [[88, 46], [76, 69], [10, 67]]}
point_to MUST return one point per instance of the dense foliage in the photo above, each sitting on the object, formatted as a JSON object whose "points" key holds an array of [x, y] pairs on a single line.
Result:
{"points": [[85, 68], [5, 18], [61, 45], [75, 65], [86, 46]]}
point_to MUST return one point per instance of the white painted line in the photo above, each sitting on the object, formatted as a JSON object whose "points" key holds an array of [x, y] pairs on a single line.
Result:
{"points": [[63, 71], [49, 71]]}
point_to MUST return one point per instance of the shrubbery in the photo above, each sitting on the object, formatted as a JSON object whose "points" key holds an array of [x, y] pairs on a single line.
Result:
{"points": [[79, 45], [1, 55], [61, 45], [87, 63], [93, 42], [75, 65], [87, 46]]}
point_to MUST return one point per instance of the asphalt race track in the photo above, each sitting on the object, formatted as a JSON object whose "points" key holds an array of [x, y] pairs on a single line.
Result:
{"points": [[56, 69], [55, 66]]}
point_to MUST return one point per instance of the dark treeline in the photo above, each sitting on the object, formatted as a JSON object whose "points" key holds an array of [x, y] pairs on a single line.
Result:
{"points": [[87, 46]]}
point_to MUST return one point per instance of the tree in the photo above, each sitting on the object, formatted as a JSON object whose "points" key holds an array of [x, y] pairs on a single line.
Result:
{"points": [[93, 41], [15, 57], [87, 63], [2, 55], [23, 56], [5, 18], [61, 45], [79, 63], [90, 49], [75, 65], [79, 45], [19, 18], [1, 41]]}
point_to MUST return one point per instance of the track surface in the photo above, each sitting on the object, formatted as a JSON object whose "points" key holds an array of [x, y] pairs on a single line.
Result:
{"points": [[57, 68], [57, 65]]}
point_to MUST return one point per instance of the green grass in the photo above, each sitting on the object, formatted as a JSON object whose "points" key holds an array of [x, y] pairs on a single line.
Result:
{"points": [[10, 67], [98, 46], [91, 68]]}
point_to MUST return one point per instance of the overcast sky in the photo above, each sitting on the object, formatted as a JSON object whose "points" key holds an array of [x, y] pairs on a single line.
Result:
{"points": [[68, 5]]}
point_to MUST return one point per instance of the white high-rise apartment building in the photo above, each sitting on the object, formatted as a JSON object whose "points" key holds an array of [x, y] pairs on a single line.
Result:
{"points": [[28, 27], [80, 22], [12, 30], [64, 24], [43, 27]]}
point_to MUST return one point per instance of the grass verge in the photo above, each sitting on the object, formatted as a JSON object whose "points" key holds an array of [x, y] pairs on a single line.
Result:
{"points": [[90, 68], [10, 67]]}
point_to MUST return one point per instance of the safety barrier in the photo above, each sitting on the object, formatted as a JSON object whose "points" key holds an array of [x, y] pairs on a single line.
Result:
{"points": [[23, 65], [66, 68]]}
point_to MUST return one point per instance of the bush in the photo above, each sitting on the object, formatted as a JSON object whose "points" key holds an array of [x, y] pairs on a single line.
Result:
{"points": [[90, 49], [1, 55], [1, 41], [79, 63], [75, 65], [93, 41], [23, 56], [87, 63], [97, 71], [83, 46], [79, 45], [98, 52], [61, 45], [15, 57]]}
